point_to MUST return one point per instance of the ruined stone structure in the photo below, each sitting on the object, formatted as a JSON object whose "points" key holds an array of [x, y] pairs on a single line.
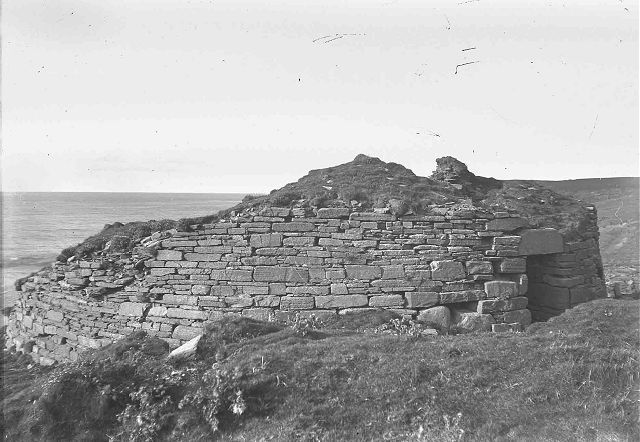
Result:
{"points": [[455, 265]]}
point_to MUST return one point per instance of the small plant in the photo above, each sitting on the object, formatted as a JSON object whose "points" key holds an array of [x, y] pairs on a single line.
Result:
{"points": [[218, 394], [404, 326], [303, 326]]}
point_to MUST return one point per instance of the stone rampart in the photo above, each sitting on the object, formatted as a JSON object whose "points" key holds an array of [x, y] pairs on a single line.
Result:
{"points": [[466, 268]]}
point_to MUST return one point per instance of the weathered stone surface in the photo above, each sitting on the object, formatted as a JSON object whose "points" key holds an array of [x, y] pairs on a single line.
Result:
{"points": [[342, 301], [200, 289], [507, 224], [299, 241], [502, 305], [276, 211], [523, 285], [363, 272], [439, 316], [186, 314], [479, 267], [169, 255], [421, 299], [545, 295], [371, 216], [159, 311], [296, 302], [186, 350], [339, 289], [513, 265], [461, 296], [540, 242], [297, 274], [392, 272], [269, 274], [447, 270], [185, 333], [55, 315], [293, 227], [501, 289], [386, 301], [470, 322], [266, 240], [521, 316], [131, 309]]}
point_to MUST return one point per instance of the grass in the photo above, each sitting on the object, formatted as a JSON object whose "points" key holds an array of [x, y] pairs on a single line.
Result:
{"points": [[572, 378]]}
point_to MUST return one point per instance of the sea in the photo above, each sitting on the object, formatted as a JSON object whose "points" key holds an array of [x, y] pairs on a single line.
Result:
{"points": [[37, 226]]}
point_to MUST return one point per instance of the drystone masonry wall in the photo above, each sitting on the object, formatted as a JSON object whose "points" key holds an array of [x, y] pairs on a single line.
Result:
{"points": [[468, 268]]}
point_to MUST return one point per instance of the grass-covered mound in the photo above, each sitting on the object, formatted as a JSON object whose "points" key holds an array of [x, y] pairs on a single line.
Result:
{"points": [[573, 378]]}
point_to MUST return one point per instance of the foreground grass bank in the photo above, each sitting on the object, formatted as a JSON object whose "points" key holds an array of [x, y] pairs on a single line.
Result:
{"points": [[573, 378]]}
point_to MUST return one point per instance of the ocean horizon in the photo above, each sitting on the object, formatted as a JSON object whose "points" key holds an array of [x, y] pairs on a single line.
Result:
{"points": [[37, 226]]}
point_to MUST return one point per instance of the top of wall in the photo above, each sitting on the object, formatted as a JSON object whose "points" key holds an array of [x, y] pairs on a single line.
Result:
{"points": [[370, 184]]}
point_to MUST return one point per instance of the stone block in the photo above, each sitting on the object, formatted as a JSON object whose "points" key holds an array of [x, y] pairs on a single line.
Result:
{"points": [[341, 301], [523, 284], [267, 301], [309, 290], [132, 309], [386, 301], [339, 289], [479, 267], [513, 265], [186, 314], [185, 333], [540, 242], [472, 321], [363, 272], [563, 281], [544, 295], [501, 289], [296, 274], [462, 296], [200, 289], [296, 303], [266, 240], [502, 305], [507, 224], [55, 315], [422, 299], [187, 350], [269, 274], [299, 241], [439, 317], [333, 212], [447, 270], [392, 272], [371, 216], [169, 255], [295, 226], [521, 316], [159, 311]]}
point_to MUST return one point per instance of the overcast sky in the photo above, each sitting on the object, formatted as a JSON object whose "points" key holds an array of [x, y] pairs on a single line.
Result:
{"points": [[239, 96]]}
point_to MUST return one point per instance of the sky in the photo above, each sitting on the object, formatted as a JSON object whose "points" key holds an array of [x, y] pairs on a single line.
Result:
{"points": [[246, 96]]}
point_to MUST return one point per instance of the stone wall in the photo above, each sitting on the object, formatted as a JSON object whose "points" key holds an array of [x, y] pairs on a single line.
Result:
{"points": [[469, 268]]}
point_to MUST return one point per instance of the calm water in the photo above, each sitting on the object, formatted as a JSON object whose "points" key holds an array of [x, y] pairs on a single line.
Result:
{"points": [[37, 226]]}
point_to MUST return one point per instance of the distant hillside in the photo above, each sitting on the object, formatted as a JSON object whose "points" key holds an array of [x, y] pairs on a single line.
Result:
{"points": [[618, 204]]}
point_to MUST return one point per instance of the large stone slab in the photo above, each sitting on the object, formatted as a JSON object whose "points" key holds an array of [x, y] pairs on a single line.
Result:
{"points": [[439, 316], [363, 272], [501, 289], [447, 270], [341, 301], [422, 299], [540, 242]]}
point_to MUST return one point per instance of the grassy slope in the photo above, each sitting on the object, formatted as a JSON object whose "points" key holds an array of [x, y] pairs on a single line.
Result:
{"points": [[573, 378]]}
